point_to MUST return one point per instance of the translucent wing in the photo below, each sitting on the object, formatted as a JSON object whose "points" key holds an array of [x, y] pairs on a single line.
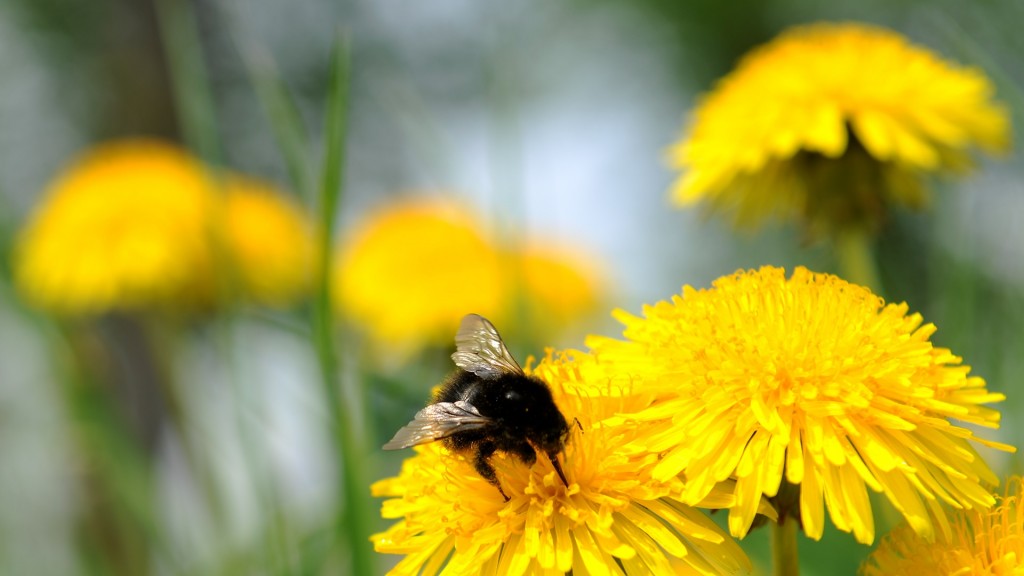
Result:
{"points": [[479, 349], [438, 421]]}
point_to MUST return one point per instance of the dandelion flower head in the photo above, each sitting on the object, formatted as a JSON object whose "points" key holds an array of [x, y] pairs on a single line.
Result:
{"points": [[832, 123], [409, 272], [984, 543], [268, 241], [807, 383], [123, 227], [559, 285], [614, 518]]}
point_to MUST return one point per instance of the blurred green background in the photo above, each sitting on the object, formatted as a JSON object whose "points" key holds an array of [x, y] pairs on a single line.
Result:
{"points": [[551, 118]]}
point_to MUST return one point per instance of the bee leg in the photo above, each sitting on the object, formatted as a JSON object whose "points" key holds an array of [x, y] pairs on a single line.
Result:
{"points": [[482, 464], [553, 456], [525, 452], [528, 454]]}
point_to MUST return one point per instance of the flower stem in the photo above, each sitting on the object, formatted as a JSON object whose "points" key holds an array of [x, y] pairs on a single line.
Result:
{"points": [[343, 394], [856, 260], [121, 529], [248, 411], [161, 340], [784, 554]]}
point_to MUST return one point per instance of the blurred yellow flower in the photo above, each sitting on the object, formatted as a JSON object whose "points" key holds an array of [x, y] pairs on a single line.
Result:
{"points": [[410, 273], [123, 227], [807, 382], [268, 241], [832, 123], [984, 543], [558, 285], [614, 518]]}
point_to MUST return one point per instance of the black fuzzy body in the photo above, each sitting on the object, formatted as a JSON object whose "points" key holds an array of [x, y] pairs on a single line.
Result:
{"points": [[525, 419]]}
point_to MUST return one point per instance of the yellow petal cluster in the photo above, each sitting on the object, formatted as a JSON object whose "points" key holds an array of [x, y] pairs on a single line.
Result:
{"points": [[411, 271], [125, 226], [268, 241], [984, 543], [830, 110], [614, 518], [560, 285], [812, 382], [142, 224]]}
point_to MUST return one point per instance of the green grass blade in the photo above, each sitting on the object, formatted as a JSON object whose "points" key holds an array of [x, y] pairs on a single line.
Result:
{"points": [[334, 143], [344, 395], [285, 120]]}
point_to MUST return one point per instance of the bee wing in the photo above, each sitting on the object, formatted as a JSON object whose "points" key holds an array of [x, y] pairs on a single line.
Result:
{"points": [[438, 421], [479, 349]]}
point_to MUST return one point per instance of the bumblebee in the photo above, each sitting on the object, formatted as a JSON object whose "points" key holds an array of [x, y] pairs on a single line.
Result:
{"points": [[487, 405]]}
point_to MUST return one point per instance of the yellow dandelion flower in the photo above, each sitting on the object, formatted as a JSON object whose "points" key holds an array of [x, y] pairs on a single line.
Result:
{"points": [[831, 123], [984, 543], [614, 518], [125, 226], [559, 285], [410, 273], [268, 242], [808, 382]]}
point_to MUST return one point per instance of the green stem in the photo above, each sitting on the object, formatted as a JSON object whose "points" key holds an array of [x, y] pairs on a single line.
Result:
{"points": [[247, 408], [785, 559], [345, 399], [853, 249], [162, 339], [285, 120], [121, 524]]}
